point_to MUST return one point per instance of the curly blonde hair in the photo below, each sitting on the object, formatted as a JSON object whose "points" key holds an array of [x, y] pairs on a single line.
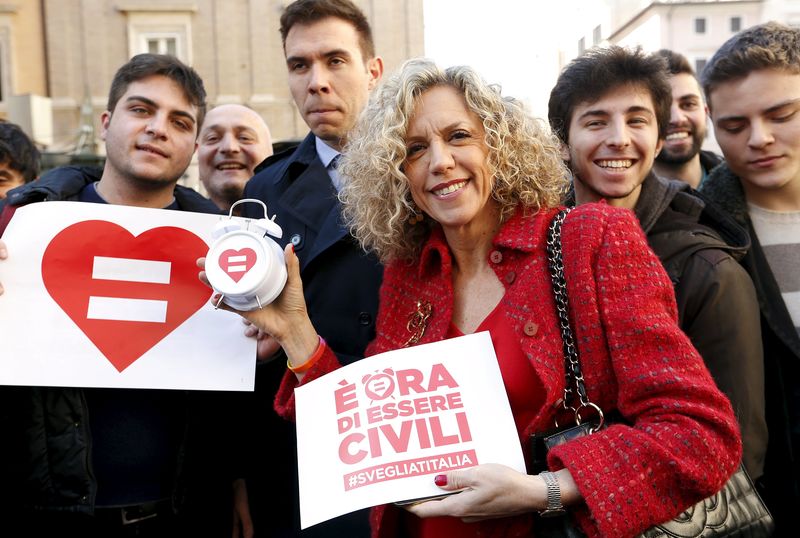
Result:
{"points": [[524, 158]]}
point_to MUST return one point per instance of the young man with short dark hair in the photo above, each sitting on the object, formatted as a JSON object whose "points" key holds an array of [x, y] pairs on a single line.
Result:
{"points": [[753, 87], [610, 108], [332, 67], [109, 462], [682, 156]]}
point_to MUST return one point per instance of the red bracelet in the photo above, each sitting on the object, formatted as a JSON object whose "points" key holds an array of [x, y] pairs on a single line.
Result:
{"points": [[312, 360]]}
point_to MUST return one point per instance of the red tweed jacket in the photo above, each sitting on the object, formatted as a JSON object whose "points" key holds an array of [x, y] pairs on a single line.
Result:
{"points": [[683, 441]]}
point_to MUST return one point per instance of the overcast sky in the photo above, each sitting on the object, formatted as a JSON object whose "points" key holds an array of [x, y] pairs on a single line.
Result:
{"points": [[510, 42]]}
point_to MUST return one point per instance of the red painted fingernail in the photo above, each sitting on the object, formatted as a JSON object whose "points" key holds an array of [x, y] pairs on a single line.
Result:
{"points": [[291, 246], [440, 480]]}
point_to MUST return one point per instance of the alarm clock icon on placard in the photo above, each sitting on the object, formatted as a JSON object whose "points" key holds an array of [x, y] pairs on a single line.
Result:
{"points": [[245, 266]]}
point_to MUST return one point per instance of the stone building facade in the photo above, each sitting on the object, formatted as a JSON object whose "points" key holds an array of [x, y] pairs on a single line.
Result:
{"points": [[68, 51]]}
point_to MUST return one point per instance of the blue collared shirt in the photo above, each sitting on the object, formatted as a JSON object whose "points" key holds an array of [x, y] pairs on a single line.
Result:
{"points": [[327, 154]]}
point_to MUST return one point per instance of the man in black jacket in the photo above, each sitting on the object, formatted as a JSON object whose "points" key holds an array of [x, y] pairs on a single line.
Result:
{"points": [[108, 462], [332, 67], [610, 108], [681, 156], [753, 89]]}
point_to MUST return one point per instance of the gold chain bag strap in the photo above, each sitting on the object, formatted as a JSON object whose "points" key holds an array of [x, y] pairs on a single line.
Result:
{"points": [[736, 510]]}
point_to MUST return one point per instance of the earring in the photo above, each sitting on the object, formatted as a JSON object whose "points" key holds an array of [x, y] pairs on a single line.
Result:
{"points": [[415, 218]]}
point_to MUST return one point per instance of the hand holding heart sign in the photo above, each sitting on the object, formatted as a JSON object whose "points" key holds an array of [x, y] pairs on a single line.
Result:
{"points": [[286, 318], [266, 345]]}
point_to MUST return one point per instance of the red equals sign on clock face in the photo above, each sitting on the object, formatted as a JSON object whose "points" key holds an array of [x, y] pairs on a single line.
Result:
{"points": [[129, 309]]}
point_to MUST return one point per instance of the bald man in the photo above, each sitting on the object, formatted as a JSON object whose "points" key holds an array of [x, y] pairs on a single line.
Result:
{"points": [[233, 140]]}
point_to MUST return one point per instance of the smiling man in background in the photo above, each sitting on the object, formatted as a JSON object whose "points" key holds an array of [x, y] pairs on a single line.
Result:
{"points": [[233, 140], [19, 158], [681, 156]]}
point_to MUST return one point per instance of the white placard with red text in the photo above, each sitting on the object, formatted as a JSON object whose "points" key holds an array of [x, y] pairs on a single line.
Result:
{"points": [[378, 430], [108, 296]]}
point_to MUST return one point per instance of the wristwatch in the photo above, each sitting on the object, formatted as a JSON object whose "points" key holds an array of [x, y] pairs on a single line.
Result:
{"points": [[554, 506]]}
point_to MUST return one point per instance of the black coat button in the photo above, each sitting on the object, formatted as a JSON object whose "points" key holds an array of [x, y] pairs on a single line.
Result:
{"points": [[297, 241]]}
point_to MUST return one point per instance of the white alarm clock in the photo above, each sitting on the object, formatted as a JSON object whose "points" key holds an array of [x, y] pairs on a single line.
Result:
{"points": [[245, 266]]}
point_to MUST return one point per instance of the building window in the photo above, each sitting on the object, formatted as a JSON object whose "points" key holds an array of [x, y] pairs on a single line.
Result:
{"points": [[2, 72], [581, 46], [700, 25], [159, 43], [597, 35], [155, 30], [699, 65], [736, 24], [5, 62]]}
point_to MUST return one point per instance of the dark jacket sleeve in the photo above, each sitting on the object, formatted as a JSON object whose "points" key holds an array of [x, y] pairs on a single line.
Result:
{"points": [[720, 314]]}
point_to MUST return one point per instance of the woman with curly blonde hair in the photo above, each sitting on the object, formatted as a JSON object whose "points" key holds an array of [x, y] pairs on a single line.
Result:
{"points": [[454, 187], [524, 159]]}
